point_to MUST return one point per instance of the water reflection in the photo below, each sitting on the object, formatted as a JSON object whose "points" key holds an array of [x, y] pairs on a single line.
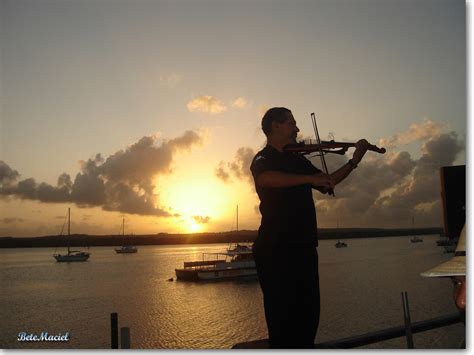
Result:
{"points": [[360, 292]]}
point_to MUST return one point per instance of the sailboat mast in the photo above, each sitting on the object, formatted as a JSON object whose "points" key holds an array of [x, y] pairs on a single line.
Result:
{"points": [[68, 229], [237, 218]]}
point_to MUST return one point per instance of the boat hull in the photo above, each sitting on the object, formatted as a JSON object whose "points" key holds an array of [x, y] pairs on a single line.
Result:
{"points": [[214, 274], [71, 258], [126, 251]]}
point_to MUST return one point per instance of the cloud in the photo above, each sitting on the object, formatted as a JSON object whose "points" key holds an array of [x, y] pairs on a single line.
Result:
{"points": [[206, 104], [416, 132], [201, 219], [171, 79], [385, 190], [239, 168], [122, 182], [221, 172], [240, 103], [388, 190], [12, 220], [7, 175]]}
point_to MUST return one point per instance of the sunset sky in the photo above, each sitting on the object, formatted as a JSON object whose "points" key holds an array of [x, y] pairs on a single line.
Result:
{"points": [[151, 109]]}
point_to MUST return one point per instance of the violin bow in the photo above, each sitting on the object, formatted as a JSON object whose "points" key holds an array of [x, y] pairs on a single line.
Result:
{"points": [[321, 153]]}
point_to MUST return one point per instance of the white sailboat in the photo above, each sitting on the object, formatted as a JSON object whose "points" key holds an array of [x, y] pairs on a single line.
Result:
{"points": [[125, 249], [72, 255]]}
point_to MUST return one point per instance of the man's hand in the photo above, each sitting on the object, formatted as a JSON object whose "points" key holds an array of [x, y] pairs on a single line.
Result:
{"points": [[323, 181], [361, 148]]}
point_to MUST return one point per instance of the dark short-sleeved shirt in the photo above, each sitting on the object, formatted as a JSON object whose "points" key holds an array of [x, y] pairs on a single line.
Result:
{"points": [[288, 214]]}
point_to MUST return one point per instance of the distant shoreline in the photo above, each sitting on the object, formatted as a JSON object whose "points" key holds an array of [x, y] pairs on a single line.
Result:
{"points": [[81, 240]]}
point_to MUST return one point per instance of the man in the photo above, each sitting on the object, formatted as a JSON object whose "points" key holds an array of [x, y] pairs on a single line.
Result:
{"points": [[285, 249], [455, 269]]}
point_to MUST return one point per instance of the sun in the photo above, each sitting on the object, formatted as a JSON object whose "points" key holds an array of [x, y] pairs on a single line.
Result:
{"points": [[198, 200], [194, 227]]}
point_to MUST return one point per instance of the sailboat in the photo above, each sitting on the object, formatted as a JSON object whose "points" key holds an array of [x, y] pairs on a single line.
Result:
{"points": [[414, 239], [72, 255], [125, 249]]}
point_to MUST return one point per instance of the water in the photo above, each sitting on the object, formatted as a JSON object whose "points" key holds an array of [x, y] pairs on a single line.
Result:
{"points": [[360, 292]]}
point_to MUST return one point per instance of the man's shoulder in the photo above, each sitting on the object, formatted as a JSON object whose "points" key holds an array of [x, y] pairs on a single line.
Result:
{"points": [[264, 154], [263, 160]]}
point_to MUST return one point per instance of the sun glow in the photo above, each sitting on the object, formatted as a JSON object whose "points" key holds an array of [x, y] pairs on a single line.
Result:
{"points": [[194, 227], [198, 201]]}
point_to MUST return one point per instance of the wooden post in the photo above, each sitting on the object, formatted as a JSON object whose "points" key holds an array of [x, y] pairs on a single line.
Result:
{"points": [[114, 330], [125, 338], [406, 316]]}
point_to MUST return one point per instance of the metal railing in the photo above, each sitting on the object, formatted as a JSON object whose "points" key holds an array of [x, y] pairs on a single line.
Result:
{"points": [[407, 330]]}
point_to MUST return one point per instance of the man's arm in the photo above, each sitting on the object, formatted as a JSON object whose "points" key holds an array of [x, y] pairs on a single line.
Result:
{"points": [[341, 173], [278, 179]]}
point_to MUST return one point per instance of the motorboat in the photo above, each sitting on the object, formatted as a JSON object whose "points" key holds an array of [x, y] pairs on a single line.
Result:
{"points": [[237, 261], [416, 239]]}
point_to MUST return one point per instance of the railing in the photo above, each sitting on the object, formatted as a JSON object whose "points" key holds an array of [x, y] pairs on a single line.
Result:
{"points": [[408, 329]]}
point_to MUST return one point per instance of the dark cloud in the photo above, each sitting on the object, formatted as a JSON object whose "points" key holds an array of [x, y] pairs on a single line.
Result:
{"points": [[12, 220], [239, 167], [388, 190], [201, 219], [122, 182], [384, 191], [7, 175], [221, 172]]}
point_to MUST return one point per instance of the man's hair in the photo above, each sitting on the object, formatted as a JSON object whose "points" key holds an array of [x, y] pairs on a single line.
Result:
{"points": [[277, 114]]}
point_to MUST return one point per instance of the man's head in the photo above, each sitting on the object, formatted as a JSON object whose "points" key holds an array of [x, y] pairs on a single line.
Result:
{"points": [[455, 268], [279, 124]]}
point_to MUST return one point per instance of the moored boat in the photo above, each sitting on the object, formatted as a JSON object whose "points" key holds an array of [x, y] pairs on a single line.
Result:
{"points": [[237, 261], [125, 249], [72, 255], [340, 244], [414, 239]]}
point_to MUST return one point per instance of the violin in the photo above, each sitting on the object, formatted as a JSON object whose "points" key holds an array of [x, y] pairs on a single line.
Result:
{"points": [[326, 147]]}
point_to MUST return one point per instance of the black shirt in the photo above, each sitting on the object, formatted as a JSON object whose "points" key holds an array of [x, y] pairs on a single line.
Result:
{"points": [[288, 214]]}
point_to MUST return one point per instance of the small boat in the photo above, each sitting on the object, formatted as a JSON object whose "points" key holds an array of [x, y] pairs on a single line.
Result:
{"points": [[125, 249], [237, 261], [72, 255], [340, 244], [414, 239]]}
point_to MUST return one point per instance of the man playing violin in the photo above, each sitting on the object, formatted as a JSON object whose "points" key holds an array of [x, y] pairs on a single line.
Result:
{"points": [[285, 249]]}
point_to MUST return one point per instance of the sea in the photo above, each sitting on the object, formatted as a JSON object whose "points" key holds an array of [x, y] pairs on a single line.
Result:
{"points": [[361, 288]]}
